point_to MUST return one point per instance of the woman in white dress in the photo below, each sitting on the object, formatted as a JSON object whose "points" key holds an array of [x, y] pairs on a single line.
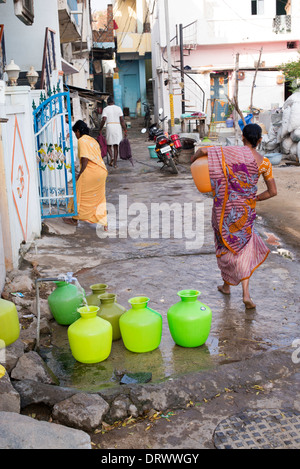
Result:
{"points": [[113, 117]]}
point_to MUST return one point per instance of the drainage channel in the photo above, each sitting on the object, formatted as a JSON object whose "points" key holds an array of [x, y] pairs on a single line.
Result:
{"points": [[261, 429]]}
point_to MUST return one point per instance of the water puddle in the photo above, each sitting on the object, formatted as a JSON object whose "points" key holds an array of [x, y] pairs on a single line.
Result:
{"points": [[235, 335]]}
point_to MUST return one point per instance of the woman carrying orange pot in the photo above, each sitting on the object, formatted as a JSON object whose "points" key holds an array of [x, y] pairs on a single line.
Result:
{"points": [[234, 173]]}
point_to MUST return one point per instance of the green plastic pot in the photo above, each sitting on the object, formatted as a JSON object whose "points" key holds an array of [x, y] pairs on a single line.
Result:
{"points": [[64, 302], [97, 289], [141, 326], [111, 311], [189, 320]]}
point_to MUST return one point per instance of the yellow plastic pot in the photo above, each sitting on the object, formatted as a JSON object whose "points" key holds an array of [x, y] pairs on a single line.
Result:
{"points": [[9, 322], [90, 337]]}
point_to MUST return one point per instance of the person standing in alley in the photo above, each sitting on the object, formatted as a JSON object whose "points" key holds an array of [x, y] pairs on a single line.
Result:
{"points": [[113, 117], [91, 181], [234, 174]]}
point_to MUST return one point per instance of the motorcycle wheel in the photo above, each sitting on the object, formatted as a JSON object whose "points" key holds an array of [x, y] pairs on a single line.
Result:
{"points": [[173, 166]]}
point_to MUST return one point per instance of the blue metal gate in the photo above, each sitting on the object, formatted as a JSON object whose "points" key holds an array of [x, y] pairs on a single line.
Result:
{"points": [[55, 156]]}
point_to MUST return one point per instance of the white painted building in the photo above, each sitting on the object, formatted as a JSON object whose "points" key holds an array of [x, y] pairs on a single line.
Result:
{"points": [[23, 39], [35, 34], [214, 32]]}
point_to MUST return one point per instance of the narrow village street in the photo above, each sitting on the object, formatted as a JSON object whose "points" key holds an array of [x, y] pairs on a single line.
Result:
{"points": [[126, 386], [250, 362]]}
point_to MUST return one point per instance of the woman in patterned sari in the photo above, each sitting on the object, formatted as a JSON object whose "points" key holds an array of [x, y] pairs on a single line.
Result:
{"points": [[234, 174], [91, 181]]}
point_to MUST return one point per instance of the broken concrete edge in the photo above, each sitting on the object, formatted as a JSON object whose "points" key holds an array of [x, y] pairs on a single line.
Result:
{"points": [[23, 432], [175, 394]]}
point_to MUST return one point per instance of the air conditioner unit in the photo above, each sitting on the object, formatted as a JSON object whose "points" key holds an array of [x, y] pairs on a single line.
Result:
{"points": [[24, 11]]}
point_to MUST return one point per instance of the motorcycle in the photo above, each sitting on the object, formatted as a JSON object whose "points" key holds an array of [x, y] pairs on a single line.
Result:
{"points": [[167, 148]]}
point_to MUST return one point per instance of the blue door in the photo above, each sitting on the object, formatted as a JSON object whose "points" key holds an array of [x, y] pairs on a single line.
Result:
{"points": [[219, 100], [131, 92]]}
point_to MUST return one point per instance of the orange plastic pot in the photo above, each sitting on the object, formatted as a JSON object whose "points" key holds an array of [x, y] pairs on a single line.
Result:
{"points": [[200, 173]]}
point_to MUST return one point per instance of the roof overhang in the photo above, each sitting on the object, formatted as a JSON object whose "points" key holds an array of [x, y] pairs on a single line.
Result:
{"points": [[69, 27], [104, 45], [68, 68], [89, 95]]}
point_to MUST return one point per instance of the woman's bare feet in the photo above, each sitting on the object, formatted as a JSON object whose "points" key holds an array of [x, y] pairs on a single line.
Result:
{"points": [[225, 289], [249, 304], [246, 295]]}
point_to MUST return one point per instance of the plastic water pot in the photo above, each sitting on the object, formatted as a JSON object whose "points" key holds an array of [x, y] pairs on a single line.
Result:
{"points": [[152, 151], [64, 302], [200, 173], [9, 322], [177, 141], [274, 158], [141, 327], [90, 337], [189, 320], [97, 289], [111, 311]]}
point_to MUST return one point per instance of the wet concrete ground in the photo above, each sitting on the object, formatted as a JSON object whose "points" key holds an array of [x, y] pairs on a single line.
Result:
{"points": [[158, 267]]}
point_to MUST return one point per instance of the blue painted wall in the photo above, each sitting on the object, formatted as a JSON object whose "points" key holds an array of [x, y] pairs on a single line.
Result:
{"points": [[132, 80]]}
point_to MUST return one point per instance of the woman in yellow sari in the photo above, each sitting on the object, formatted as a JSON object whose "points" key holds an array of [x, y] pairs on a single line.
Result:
{"points": [[91, 181]]}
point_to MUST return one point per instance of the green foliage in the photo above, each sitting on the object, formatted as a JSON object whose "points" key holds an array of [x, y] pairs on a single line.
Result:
{"points": [[291, 72]]}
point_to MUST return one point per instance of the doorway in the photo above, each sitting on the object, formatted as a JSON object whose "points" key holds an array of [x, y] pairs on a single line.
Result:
{"points": [[218, 94], [131, 92]]}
